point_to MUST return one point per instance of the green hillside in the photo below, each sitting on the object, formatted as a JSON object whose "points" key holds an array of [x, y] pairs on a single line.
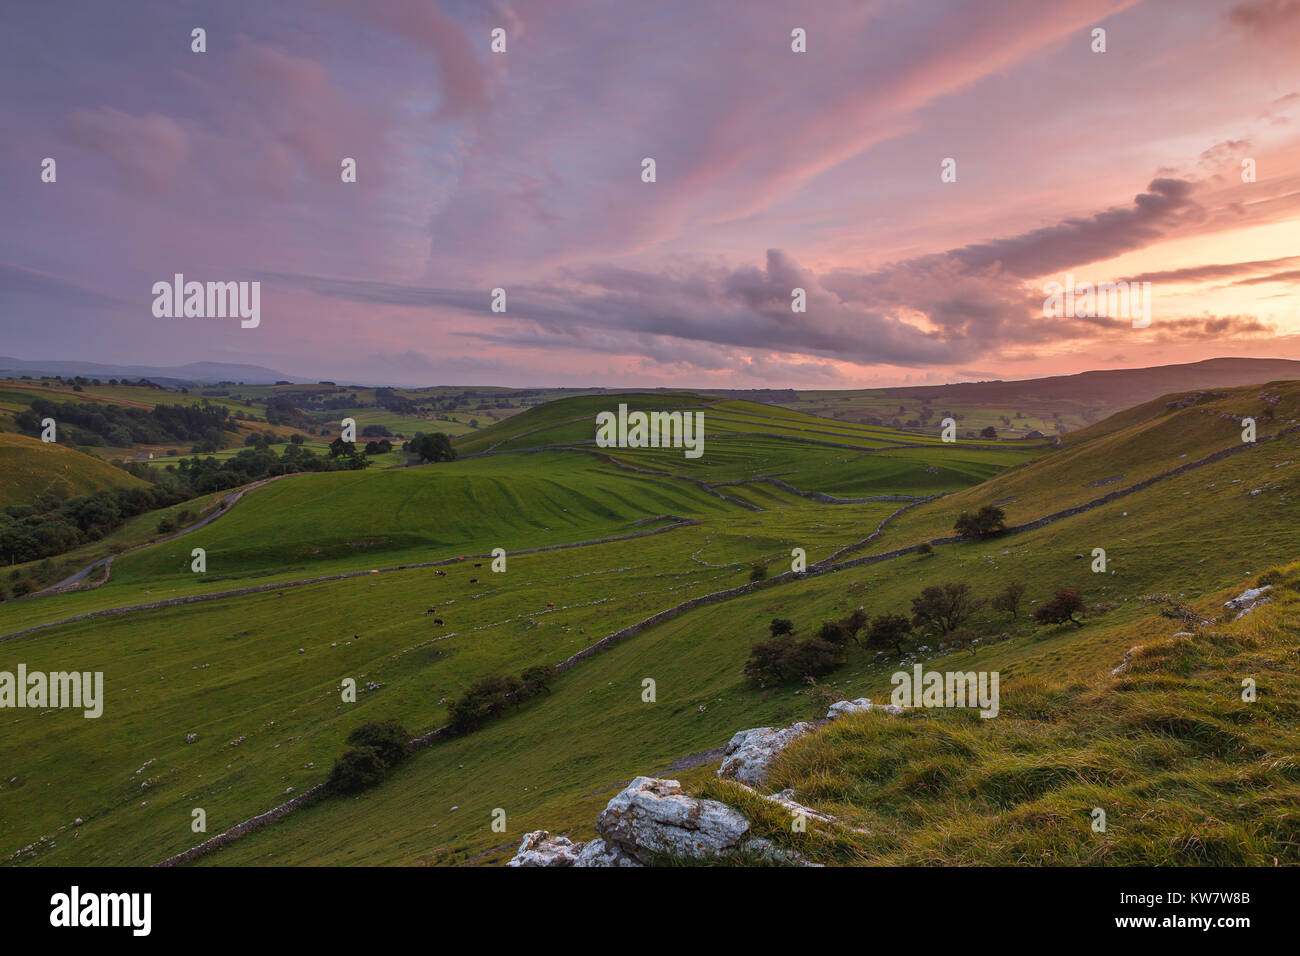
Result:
{"points": [[256, 676], [562, 421], [31, 467]]}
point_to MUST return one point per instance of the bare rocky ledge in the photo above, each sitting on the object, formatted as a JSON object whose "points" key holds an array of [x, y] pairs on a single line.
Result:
{"points": [[653, 818]]}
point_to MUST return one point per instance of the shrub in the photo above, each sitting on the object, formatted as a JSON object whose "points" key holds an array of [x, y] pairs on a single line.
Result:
{"points": [[812, 658], [758, 573], [25, 586], [988, 522], [889, 630], [832, 632], [357, 770], [780, 626], [166, 525], [388, 738], [925, 549], [1009, 599], [854, 623], [765, 659], [963, 637], [786, 659], [537, 679], [488, 697], [943, 606], [1061, 608]]}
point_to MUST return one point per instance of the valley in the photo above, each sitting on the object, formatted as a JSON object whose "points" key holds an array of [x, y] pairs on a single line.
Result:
{"points": [[315, 578]]}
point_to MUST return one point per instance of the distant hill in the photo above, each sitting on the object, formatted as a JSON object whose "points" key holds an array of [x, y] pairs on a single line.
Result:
{"points": [[1119, 388], [33, 467], [195, 373], [1056, 404]]}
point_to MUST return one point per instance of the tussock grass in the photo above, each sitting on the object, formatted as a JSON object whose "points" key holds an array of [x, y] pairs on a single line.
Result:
{"points": [[1187, 772]]}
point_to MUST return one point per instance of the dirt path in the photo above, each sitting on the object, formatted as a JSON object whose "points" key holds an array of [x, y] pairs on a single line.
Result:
{"points": [[73, 582]]}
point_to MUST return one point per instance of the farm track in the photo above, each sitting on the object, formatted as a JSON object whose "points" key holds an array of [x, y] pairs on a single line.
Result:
{"points": [[73, 582]]}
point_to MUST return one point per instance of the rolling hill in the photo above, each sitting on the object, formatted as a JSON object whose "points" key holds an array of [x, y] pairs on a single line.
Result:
{"points": [[256, 675], [33, 468]]}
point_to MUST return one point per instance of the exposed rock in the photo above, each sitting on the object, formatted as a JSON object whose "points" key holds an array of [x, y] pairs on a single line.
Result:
{"points": [[769, 851], [539, 848], [653, 816], [598, 852], [1248, 600], [1128, 656], [749, 752], [842, 707]]}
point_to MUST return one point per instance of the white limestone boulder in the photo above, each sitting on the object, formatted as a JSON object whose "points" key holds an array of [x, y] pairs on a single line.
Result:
{"points": [[539, 848], [841, 707], [601, 853], [1248, 600], [749, 752], [653, 816]]}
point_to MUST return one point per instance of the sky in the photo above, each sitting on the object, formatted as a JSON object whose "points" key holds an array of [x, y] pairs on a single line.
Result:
{"points": [[774, 169]]}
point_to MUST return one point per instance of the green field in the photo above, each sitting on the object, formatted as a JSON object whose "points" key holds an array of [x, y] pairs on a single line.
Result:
{"points": [[33, 467], [263, 669]]}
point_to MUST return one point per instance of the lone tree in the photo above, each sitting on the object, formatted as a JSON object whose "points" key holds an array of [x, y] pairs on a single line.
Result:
{"points": [[781, 626], [435, 447], [1009, 599], [943, 606], [988, 432], [988, 522], [1063, 607], [889, 630]]}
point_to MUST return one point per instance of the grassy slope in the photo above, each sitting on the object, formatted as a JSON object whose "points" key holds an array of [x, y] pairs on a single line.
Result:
{"points": [[1186, 771], [32, 467], [553, 764], [547, 424], [556, 764]]}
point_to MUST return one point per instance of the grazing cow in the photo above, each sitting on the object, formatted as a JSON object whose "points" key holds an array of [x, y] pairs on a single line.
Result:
{"points": [[437, 620], [441, 574], [478, 565], [429, 611], [473, 580]]}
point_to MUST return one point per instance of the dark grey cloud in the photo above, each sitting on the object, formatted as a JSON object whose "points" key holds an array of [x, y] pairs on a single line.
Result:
{"points": [[1075, 242]]}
